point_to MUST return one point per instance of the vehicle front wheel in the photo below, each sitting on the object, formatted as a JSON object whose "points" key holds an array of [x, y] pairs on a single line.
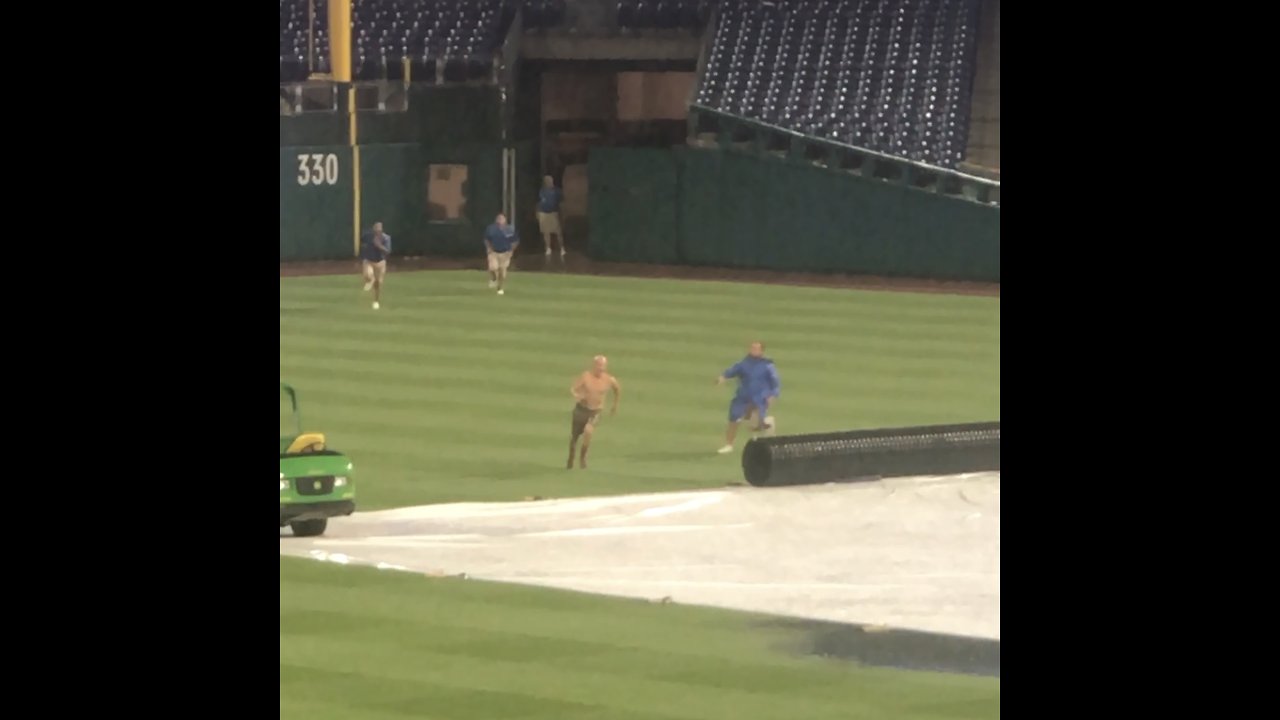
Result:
{"points": [[309, 528]]}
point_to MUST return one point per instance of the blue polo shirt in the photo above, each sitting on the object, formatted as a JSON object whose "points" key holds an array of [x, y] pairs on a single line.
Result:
{"points": [[501, 239], [368, 251], [549, 200]]}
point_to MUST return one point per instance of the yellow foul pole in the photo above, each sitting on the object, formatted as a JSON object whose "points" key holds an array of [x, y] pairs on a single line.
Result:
{"points": [[340, 64], [355, 172], [340, 40]]}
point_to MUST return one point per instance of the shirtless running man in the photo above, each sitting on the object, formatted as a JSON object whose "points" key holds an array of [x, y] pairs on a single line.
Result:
{"points": [[589, 390]]}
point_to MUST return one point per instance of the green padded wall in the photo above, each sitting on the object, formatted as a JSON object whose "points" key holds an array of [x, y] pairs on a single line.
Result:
{"points": [[453, 125], [632, 205], [316, 208], [393, 190], [726, 208], [436, 115], [745, 210]]}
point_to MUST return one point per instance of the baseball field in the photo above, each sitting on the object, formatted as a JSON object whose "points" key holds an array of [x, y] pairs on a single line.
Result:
{"points": [[451, 393]]}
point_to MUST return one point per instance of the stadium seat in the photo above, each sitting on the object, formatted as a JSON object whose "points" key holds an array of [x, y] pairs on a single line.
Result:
{"points": [[888, 75], [543, 13], [465, 33], [663, 14]]}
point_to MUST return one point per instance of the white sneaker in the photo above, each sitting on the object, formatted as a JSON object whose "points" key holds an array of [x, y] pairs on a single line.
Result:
{"points": [[368, 286], [725, 449], [548, 252], [375, 305], [501, 292], [492, 284]]}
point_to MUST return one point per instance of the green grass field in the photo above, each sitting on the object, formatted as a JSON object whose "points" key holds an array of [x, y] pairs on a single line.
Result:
{"points": [[359, 643], [452, 393]]}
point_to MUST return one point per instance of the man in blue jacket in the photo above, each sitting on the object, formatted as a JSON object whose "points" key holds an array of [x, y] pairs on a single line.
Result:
{"points": [[758, 388]]}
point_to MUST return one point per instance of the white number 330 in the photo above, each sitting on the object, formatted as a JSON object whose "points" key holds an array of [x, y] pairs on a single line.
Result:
{"points": [[317, 169]]}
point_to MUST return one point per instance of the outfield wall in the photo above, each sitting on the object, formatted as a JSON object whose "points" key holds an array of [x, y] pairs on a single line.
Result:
{"points": [[724, 208], [317, 207], [318, 197], [432, 174], [432, 114]]}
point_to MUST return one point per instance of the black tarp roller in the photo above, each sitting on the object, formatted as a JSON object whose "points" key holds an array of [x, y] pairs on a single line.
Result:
{"points": [[863, 454]]}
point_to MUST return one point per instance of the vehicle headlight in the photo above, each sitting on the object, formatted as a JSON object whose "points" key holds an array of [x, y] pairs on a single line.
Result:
{"points": [[284, 484], [339, 482]]}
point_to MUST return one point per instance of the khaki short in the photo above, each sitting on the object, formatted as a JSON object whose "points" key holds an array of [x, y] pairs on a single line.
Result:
{"points": [[374, 270], [549, 223], [584, 418], [499, 261]]}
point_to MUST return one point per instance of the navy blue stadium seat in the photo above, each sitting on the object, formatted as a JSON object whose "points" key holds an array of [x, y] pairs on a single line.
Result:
{"points": [[465, 34], [892, 76], [293, 40], [663, 14], [542, 13]]}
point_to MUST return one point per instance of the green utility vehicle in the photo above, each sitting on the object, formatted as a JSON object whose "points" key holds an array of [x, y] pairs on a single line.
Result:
{"points": [[315, 482]]}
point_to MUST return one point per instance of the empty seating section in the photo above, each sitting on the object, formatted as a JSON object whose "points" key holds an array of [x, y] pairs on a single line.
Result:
{"points": [[888, 75], [463, 33], [542, 13], [296, 34], [663, 14]]}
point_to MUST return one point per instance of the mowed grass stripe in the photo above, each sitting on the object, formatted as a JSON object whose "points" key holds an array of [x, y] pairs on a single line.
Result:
{"points": [[458, 416], [376, 642], [535, 687], [693, 336], [465, 411], [558, 620], [454, 382], [694, 332], [476, 375], [400, 354], [676, 291], [641, 306], [645, 397], [478, 381], [673, 340], [675, 294], [490, 324], [461, 338], [462, 417]]}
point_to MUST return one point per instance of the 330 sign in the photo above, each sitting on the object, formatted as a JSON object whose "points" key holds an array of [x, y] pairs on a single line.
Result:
{"points": [[317, 169]]}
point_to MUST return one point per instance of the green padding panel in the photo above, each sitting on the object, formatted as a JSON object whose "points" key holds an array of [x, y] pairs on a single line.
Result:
{"points": [[395, 181], [751, 211], [632, 205], [314, 128], [735, 209], [437, 116], [393, 192], [316, 203]]}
